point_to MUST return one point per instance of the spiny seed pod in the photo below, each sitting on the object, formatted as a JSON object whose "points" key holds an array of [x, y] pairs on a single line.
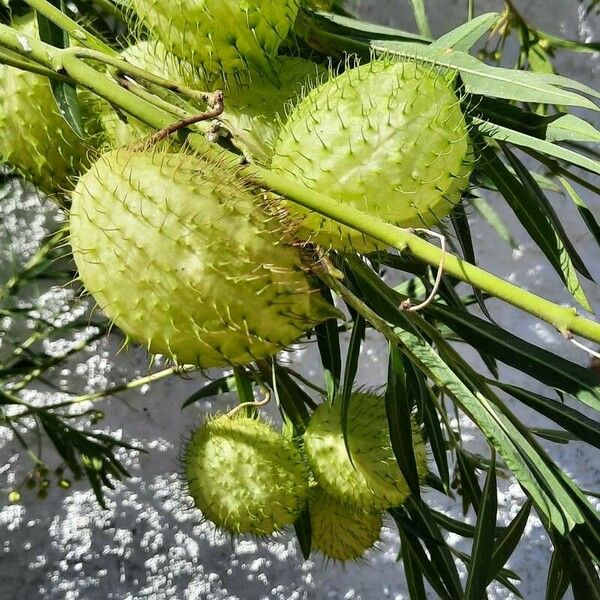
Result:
{"points": [[222, 37], [182, 259], [339, 532], [255, 108], [325, 5], [372, 480], [386, 137], [36, 140], [244, 476], [152, 56]]}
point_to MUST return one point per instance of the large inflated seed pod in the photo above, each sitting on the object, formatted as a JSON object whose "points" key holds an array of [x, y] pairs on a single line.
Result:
{"points": [[386, 137], [222, 37], [372, 480], [244, 476], [180, 256], [36, 140]]}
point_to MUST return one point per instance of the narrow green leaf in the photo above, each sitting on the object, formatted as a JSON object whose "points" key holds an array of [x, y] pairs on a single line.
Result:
{"points": [[503, 134], [481, 558], [497, 82], [584, 428], [487, 211], [459, 527], [552, 128], [356, 338], [410, 543], [575, 260], [510, 349], [290, 397], [65, 93], [557, 581], [465, 36], [437, 442], [507, 541], [223, 385], [470, 492], [421, 17], [535, 221], [536, 192], [304, 533], [414, 576], [583, 574], [243, 385], [328, 340], [437, 547], [398, 410], [364, 30], [584, 211]]}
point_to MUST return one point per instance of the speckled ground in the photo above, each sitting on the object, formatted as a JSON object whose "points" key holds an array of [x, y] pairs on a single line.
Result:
{"points": [[149, 544]]}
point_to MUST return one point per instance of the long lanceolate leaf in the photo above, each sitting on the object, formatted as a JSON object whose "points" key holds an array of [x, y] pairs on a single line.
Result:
{"points": [[534, 473], [328, 340], [535, 219], [64, 93], [356, 338], [398, 410], [481, 558], [464, 37]]}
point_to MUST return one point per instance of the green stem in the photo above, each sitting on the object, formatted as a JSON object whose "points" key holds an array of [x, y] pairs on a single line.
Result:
{"points": [[12, 59], [109, 8], [564, 319], [470, 10], [137, 73], [421, 17], [54, 14]]}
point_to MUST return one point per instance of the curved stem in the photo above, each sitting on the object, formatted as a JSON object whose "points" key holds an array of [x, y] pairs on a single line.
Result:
{"points": [[54, 14], [137, 73], [564, 319]]}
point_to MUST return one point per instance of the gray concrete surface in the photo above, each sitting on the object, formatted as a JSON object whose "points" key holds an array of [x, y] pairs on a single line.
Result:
{"points": [[149, 545]]}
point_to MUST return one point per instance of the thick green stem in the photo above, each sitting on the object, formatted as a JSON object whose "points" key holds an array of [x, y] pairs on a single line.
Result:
{"points": [[137, 73], [54, 14], [564, 319]]}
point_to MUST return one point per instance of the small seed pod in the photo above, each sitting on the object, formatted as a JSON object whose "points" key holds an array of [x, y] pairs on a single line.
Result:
{"points": [[339, 532], [36, 140], [372, 480], [222, 37], [180, 256], [388, 138], [244, 476]]}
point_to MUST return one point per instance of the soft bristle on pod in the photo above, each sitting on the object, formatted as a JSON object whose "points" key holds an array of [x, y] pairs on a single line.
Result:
{"points": [[244, 476], [386, 137], [222, 37], [179, 255], [371, 479], [340, 532]]}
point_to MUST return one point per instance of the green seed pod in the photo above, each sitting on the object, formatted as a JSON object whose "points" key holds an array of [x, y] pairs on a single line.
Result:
{"points": [[339, 532], [325, 5], [254, 109], [36, 140], [244, 476], [152, 56], [180, 256], [372, 480], [222, 37], [388, 138]]}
